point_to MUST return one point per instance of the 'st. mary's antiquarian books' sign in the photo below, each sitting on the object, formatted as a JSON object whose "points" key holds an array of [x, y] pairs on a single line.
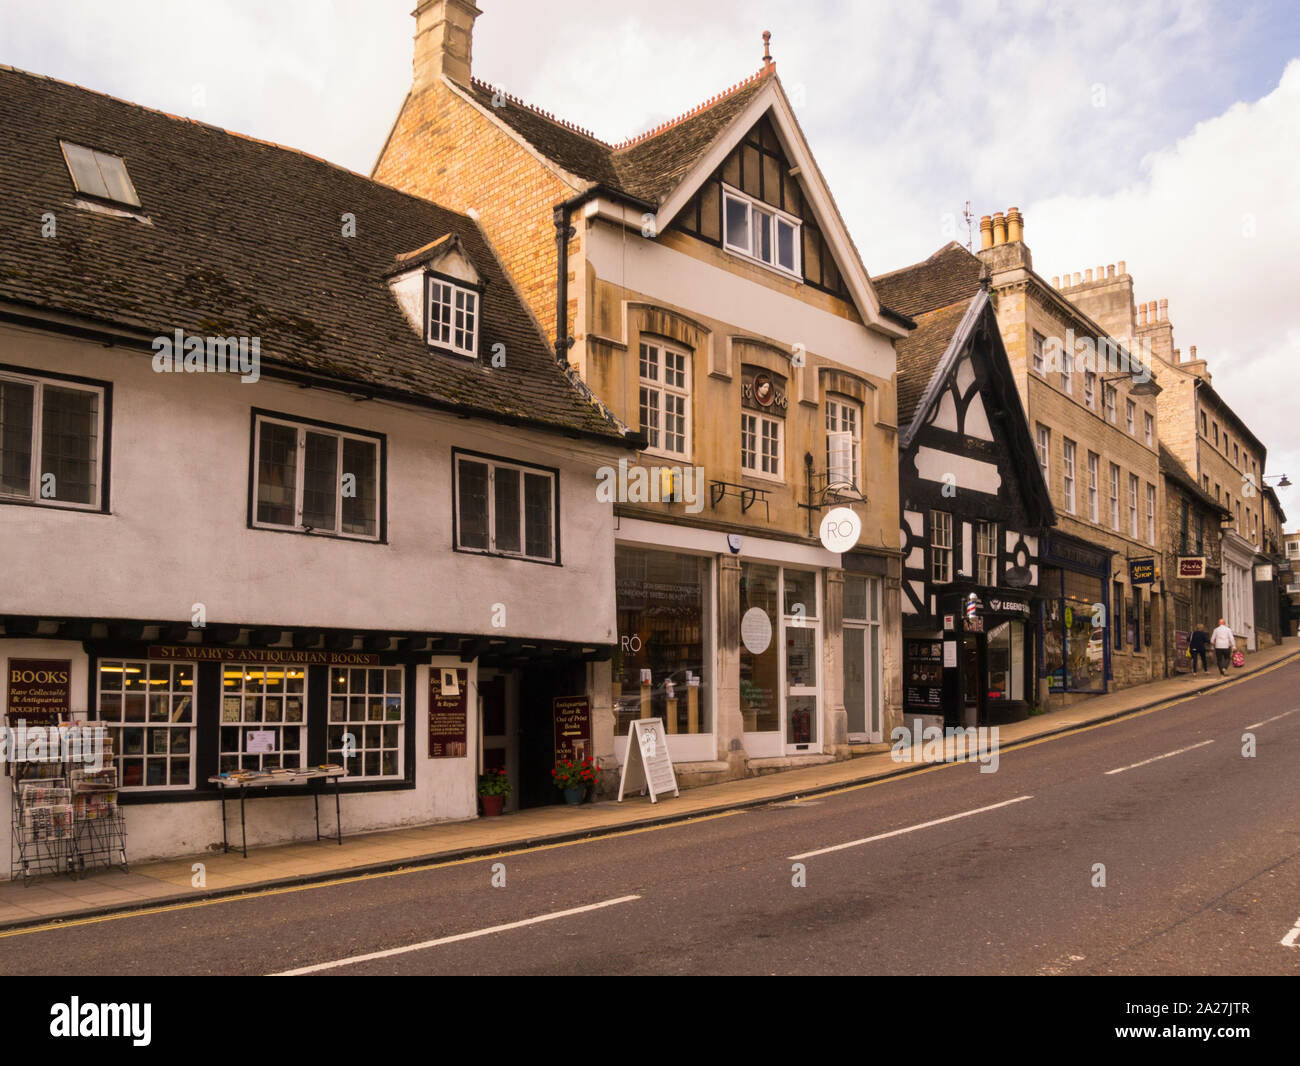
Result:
{"points": [[647, 766], [448, 717]]}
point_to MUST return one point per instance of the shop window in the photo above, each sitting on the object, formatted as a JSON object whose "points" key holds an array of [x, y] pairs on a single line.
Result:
{"points": [[51, 441], [862, 650], [1146, 620], [453, 317], [843, 442], [1132, 613], [665, 399], [148, 711], [505, 508], [986, 553], [368, 704], [760, 445], [263, 720], [1074, 631], [1117, 615], [661, 665], [1006, 669], [760, 232], [940, 547], [316, 480]]}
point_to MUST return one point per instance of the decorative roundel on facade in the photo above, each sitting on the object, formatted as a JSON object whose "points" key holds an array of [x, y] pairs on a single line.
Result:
{"points": [[841, 529], [764, 393], [756, 631], [1021, 554]]}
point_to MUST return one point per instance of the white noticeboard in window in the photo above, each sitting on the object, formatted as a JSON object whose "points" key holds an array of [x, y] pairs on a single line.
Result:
{"points": [[647, 766]]}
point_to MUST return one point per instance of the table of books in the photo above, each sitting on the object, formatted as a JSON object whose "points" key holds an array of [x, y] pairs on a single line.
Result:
{"points": [[310, 776]]}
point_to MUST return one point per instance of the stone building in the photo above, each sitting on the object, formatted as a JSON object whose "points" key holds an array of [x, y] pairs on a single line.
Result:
{"points": [[1192, 541], [704, 287], [1091, 406]]}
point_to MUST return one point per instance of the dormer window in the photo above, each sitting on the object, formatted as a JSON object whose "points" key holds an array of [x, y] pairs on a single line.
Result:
{"points": [[453, 317], [99, 174], [760, 231]]}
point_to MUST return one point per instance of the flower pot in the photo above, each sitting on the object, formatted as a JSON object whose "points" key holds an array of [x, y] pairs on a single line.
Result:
{"points": [[492, 805], [574, 796]]}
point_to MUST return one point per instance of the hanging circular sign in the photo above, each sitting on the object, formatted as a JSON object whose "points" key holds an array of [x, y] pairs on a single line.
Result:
{"points": [[756, 630], [841, 529]]}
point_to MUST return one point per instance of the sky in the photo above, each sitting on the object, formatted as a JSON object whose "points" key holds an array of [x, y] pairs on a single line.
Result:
{"points": [[1165, 133]]}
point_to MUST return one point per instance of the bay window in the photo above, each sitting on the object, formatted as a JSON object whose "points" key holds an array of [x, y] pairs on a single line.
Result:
{"points": [[51, 441], [505, 508]]}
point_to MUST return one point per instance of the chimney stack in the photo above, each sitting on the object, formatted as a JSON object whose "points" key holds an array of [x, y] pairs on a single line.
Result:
{"points": [[1193, 351], [444, 34], [1123, 267], [1164, 310], [986, 232], [1087, 276]]}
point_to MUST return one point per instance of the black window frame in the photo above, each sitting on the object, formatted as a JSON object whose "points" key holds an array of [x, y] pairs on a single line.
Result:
{"points": [[486, 457], [381, 491]]}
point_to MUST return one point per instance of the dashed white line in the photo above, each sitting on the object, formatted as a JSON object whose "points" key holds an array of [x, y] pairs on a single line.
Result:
{"points": [[1273, 719], [908, 829], [1166, 755], [354, 959]]}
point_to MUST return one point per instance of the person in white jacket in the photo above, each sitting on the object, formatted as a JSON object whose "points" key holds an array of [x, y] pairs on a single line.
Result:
{"points": [[1224, 644]]}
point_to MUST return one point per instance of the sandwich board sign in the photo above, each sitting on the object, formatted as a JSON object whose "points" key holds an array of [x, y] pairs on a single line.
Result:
{"points": [[647, 765]]}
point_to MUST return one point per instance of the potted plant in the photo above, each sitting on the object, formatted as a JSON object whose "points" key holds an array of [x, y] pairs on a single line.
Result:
{"points": [[493, 788], [574, 777]]}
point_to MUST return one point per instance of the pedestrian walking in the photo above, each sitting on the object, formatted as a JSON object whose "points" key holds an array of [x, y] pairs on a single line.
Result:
{"points": [[1199, 642], [1224, 645]]}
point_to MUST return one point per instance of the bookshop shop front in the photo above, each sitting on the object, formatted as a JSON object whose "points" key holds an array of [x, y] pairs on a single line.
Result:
{"points": [[401, 714]]}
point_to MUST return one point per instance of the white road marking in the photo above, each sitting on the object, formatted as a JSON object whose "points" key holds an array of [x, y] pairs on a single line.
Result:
{"points": [[908, 829], [1289, 941], [452, 939], [1166, 755], [1273, 719]]}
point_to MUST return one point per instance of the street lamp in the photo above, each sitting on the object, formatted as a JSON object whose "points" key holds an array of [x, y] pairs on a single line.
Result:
{"points": [[1285, 483], [1147, 387]]}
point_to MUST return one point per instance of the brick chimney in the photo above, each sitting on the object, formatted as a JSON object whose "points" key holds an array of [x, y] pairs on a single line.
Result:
{"points": [[444, 36], [1002, 243]]}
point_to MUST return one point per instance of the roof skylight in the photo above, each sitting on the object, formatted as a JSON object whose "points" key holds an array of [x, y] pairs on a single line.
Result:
{"points": [[99, 174]]}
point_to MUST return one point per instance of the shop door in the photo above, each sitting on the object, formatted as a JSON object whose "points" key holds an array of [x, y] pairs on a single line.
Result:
{"points": [[973, 680], [496, 737], [538, 685]]}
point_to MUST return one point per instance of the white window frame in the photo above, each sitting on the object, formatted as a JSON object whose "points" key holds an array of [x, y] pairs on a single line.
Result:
{"points": [[1036, 356], [456, 294], [1067, 372], [1133, 506], [1130, 417], [940, 547], [1108, 398], [1068, 452], [357, 726], [1114, 497], [1043, 446], [1094, 486], [524, 469], [1090, 389], [246, 724], [116, 726], [34, 474], [754, 426], [657, 389], [1148, 428], [775, 214], [986, 554], [300, 475], [844, 421], [1151, 513]]}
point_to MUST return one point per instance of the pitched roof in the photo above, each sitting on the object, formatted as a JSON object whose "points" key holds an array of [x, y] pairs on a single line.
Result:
{"points": [[245, 238], [647, 167], [949, 275], [1172, 467], [919, 354]]}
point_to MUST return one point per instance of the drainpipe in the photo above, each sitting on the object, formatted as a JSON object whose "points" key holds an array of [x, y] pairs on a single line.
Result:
{"points": [[564, 232]]}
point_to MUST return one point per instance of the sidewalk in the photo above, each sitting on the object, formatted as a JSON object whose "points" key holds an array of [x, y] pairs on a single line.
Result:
{"points": [[160, 883]]}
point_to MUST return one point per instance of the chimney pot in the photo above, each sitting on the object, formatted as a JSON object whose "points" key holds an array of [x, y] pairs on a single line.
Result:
{"points": [[1015, 225], [1110, 270], [1142, 314], [1087, 276], [1164, 310], [986, 232], [1101, 272], [1077, 279], [1056, 281], [999, 229], [1123, 267], [1193, 351]]}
